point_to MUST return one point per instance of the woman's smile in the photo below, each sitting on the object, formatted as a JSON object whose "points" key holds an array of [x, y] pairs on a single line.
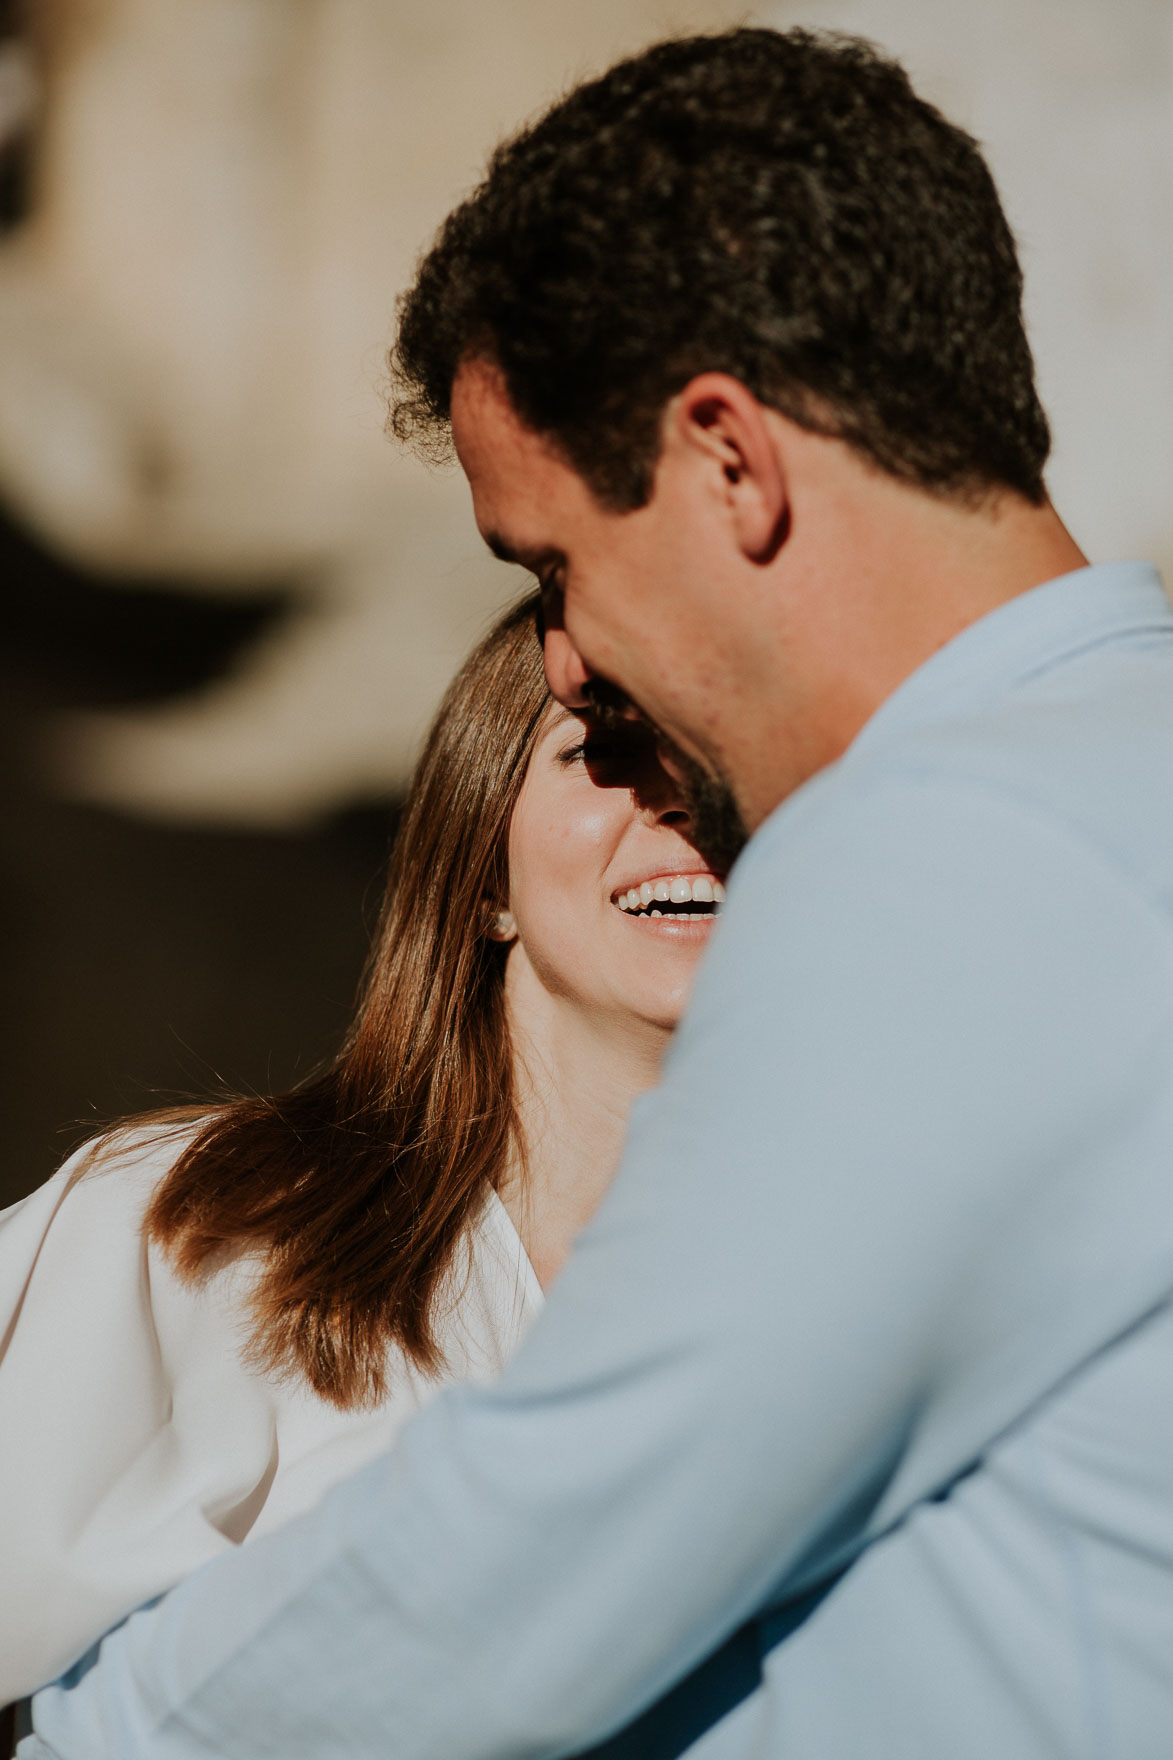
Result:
{"points": [[675, 900], [602, 831]]}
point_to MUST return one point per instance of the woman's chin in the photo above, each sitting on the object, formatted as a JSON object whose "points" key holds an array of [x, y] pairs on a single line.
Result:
{"points": [[659, 964]]}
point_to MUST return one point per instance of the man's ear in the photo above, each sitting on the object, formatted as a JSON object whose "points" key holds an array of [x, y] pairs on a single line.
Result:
{"points": [[718, 417]]}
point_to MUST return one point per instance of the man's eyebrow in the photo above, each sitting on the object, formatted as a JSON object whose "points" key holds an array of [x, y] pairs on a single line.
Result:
{"points": [[533, 560]]}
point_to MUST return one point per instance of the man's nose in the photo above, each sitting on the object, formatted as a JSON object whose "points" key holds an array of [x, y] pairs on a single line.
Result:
{"points": [[674, 764], [663, 798], [566, 672]]}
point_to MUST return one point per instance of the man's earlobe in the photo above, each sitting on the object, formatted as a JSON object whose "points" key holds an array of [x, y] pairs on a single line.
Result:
{"points": [[778, 535], [756, 491], [721, 417]]}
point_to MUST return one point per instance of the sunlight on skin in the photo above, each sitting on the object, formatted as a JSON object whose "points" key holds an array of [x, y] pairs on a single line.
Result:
{"points": [[771, 594], [593, 990]]}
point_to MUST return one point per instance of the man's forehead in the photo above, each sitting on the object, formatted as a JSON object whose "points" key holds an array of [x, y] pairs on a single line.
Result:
{"points": [[536, 557], [477, 382], [522, 491], [483, 418]]}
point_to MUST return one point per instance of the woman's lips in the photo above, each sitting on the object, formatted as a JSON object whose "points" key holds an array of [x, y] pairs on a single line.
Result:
{"points": [[673, 895]]}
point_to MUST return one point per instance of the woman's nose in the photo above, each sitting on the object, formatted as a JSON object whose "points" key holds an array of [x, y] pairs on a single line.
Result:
{"points": [[566, 672]]}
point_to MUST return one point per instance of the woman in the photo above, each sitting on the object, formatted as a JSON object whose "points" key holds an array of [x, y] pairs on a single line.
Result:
{"points": [[211, 1316]]}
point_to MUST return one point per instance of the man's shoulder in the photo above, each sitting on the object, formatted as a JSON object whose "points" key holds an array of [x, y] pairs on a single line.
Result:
{"points": [[1043, 771]]}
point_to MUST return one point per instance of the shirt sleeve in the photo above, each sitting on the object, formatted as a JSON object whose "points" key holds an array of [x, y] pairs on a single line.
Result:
{"points": [[904, 1170]]}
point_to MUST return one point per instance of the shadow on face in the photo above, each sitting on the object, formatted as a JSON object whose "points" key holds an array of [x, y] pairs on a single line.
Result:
{"points": [[612, 898]]}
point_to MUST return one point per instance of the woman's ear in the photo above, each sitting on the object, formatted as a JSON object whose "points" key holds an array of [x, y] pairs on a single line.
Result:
{"points": [[503, 927], [720, 419]]}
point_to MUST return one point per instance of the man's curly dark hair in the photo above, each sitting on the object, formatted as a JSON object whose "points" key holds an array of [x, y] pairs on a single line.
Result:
{"points": [[777, 205]]}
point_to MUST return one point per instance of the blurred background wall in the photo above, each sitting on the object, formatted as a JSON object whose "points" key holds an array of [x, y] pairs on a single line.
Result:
{"points": [[227, 605]]}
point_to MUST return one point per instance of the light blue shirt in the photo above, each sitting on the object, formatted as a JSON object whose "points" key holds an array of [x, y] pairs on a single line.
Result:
{"points": [[884, 1278]]}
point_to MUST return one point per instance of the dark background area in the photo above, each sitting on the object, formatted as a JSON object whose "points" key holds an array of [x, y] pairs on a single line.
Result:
{"points": [[142, 962]]}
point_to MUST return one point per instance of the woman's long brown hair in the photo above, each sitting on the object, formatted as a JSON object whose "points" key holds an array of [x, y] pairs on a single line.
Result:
{"points": [[358, 1188]]}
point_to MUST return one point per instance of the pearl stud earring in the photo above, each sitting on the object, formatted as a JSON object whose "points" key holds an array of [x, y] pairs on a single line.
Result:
{"points": [[504, 927]]}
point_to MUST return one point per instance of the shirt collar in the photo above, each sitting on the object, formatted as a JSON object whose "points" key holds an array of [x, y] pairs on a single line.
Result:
{"points": [[1036, 630]]}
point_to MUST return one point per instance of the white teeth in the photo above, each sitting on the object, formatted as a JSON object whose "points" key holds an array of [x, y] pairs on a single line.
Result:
{"points": [[676, 891]]}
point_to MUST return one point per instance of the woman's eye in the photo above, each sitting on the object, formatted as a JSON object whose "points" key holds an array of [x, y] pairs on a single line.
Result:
{"points": [[579, 752], [595, 750]]}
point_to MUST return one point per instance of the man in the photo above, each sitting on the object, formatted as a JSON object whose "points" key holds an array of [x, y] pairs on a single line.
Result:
{"points": [[844, 1432]]}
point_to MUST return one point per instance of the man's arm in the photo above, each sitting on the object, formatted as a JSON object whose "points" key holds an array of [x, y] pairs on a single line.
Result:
{"points": [[863, 1224]]}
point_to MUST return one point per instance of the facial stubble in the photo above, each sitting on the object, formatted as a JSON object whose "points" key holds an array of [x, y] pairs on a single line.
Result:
{"points": [[717, 827]]}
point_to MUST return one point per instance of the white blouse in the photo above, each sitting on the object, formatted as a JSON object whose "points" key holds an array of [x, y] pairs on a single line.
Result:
{"points": [[135, 1441]]}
